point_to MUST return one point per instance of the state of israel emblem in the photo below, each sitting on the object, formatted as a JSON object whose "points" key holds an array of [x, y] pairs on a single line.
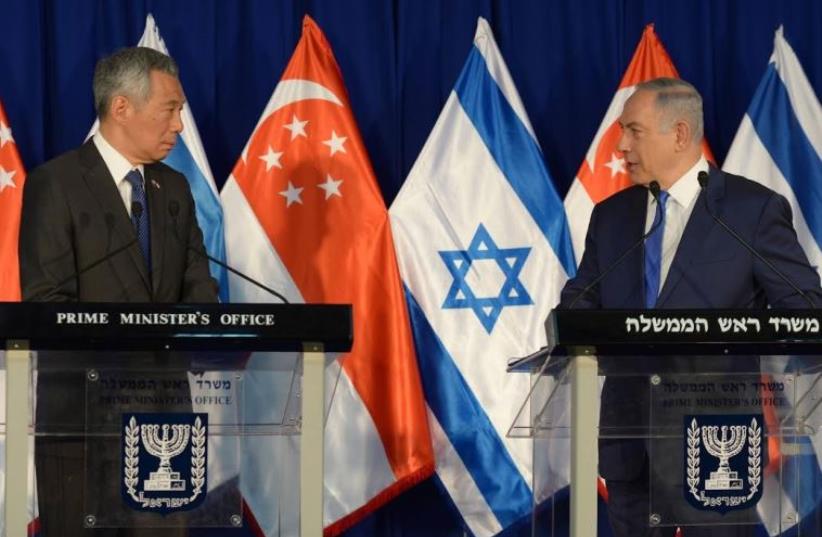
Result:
{"points": [[164, 461], [724, 461]]}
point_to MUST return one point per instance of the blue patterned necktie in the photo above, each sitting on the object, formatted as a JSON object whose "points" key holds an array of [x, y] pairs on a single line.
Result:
{"points": [[653, 253], [141, 220]]}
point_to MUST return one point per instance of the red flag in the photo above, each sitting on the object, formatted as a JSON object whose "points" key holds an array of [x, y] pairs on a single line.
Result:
{"points": [[12, 177], [311, 211], [603, 172]]}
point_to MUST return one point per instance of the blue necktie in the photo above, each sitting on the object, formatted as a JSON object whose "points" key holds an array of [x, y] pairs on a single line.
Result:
{"points": [[139, 218], [653, 253]]}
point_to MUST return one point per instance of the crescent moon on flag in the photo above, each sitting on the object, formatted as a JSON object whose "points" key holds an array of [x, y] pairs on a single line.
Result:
{"points": [[291, 91]]}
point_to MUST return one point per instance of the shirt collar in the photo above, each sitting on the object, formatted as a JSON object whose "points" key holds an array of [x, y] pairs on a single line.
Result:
{"points": [[117, 164], [686, 188]]}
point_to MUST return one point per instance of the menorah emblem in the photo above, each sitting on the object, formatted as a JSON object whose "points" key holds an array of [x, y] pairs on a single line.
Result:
{"points": [[165, 448], [165, 436], [734, 439], [728, 445]]}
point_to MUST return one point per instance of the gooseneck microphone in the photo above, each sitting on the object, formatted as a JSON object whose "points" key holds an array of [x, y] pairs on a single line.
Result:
{"points": [[174, 212], [84, 222], [654, 188], [703, 178]]}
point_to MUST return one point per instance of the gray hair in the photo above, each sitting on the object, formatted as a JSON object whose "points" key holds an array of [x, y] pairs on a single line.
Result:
{"points": [[677, 100], [127, 72]]}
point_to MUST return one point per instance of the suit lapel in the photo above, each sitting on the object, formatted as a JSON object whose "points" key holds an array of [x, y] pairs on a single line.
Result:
{"points": [[693, 237], [101, 185], [157, 211], [635, 264]]}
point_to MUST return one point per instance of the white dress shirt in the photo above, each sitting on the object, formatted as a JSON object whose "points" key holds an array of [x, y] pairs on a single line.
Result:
{"points": [[678, 208], [118, 166]]}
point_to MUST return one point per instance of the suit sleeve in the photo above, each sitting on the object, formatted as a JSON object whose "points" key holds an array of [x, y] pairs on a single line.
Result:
{"points": [[198, 285], [574, 293], [46, 249], [776, 240]]}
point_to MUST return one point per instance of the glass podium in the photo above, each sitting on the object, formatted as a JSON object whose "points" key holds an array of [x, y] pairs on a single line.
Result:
{"points": [[164, 416], [720, 412]]}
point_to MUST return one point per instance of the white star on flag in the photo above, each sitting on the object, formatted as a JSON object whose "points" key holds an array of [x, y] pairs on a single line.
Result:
{"points": [[331, 187], [5, 179], [335, 143], [616, 164], [272, 159], [296, 127], [5, 134], [292, 194]]}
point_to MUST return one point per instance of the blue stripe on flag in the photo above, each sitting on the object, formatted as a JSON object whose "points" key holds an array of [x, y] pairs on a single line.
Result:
{"points": [[467, 426], [516, 153], [776, 125], [209, 210]]}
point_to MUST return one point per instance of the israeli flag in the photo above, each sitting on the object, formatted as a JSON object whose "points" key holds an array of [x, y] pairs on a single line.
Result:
{"points": [[188, 157], [484, 250], [779, 144]]}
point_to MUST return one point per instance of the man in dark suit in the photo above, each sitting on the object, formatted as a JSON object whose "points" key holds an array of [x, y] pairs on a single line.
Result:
{"points": [[112, 200], [80, 206], [688, 262]]}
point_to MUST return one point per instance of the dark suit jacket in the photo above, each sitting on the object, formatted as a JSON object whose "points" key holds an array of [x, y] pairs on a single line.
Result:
{"points": [[710, 269], [73, 215]]}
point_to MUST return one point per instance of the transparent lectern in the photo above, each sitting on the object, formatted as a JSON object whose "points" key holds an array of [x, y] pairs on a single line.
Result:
{"points": [[146, 415], [720, 412]]}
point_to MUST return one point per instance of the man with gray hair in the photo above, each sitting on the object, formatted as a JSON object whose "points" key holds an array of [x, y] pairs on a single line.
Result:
{"points": [[86, 203], [687, 261], [107, 222]]}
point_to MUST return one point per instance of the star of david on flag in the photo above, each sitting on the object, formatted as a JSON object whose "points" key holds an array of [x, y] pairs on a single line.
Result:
{"points": [[509, 260], [481, 178]]}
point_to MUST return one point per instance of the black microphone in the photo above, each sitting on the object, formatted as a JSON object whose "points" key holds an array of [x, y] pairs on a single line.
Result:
{"points": [[84, 221], [654, 188], [174, 211], [703, 178], [136, 209]]}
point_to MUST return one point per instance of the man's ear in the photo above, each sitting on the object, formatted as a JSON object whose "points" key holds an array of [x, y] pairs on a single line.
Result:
{"points": [[683, 135], [120, 108]]}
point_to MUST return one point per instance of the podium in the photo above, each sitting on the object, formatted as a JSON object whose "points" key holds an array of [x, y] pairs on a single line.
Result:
{"points": [[725, 404], [153, 400]]}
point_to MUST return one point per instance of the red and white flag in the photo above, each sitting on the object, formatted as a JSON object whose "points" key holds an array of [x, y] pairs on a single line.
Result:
{"points": [[603, 172], [304, 214], [12, 177]]}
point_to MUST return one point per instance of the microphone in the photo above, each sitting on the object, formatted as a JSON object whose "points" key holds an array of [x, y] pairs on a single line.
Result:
{"points": [[84, 221], [136, 209], [174, 211], [655, 189], [703, 178]]}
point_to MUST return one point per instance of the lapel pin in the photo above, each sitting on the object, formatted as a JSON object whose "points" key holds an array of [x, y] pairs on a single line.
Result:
{"points": [[155, 184]]}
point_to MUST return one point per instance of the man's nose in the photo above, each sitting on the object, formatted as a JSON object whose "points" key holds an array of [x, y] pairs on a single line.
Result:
{"points": [[622, 144], [177, 122]]}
